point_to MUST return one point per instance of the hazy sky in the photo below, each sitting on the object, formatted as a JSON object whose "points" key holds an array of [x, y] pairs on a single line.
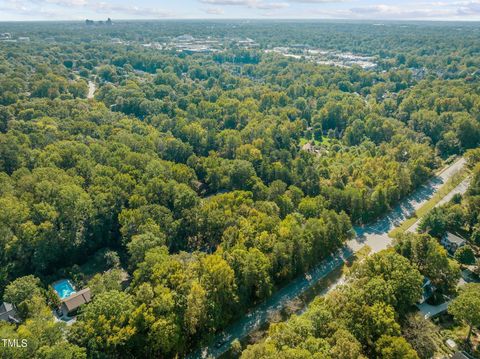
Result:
{"points": [[218, 9]]}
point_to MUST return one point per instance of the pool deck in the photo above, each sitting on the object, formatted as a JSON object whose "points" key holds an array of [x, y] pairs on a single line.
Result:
{"points": [[61, 285]]}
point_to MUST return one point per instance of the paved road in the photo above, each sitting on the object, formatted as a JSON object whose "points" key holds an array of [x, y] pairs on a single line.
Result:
{"points": [[374, 235], [460, 189], [91, 89]]}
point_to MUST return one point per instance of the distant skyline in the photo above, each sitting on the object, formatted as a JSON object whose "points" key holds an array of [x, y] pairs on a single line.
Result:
{"points": [[17, 10]]}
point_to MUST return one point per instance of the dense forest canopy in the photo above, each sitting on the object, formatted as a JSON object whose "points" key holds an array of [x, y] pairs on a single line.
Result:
{"points": [[371, 316], [210, 179]]}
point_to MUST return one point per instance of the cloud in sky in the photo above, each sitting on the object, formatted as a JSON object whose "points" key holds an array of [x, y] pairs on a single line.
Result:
{"points": [[254, 4], [230, 9], [469, 7], [215, 11], [318, 1], [77, 9]]}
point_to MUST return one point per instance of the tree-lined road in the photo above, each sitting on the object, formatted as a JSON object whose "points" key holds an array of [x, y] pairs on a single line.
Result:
{"points": [[374, 235], [460, 189]]}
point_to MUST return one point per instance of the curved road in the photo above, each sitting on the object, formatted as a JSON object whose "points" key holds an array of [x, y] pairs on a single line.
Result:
{"points": [[91, 89], [374, 235]]}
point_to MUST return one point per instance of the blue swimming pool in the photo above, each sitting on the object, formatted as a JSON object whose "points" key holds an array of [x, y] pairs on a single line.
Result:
{"points": [[64, 288]]}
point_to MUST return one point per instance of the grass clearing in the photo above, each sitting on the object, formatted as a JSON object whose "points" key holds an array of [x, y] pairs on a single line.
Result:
{"points": [[453, 182], [450, 329]]}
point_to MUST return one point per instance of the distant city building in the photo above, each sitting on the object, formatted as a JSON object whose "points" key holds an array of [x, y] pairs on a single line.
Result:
{"points": [[324, 57], [184, 38], [109, 22], [247, 43]]}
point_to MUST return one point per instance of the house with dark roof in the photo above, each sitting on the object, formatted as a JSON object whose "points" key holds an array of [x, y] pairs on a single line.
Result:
{"points": [[452, 242], [8, 313], [460, 355], [428, 290], [72, 303]]}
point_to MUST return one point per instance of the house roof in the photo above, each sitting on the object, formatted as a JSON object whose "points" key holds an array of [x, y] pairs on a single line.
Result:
{"points": [[7, 311], [428, 290], [5, 307], [308, 147], [453, 238], [77, 299]]}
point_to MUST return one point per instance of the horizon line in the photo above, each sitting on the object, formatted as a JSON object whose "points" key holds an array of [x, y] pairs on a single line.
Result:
{"points": [[247, 19]]}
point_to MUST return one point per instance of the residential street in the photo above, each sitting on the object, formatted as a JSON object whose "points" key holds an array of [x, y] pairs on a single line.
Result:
{"points": [[374, 235]]}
